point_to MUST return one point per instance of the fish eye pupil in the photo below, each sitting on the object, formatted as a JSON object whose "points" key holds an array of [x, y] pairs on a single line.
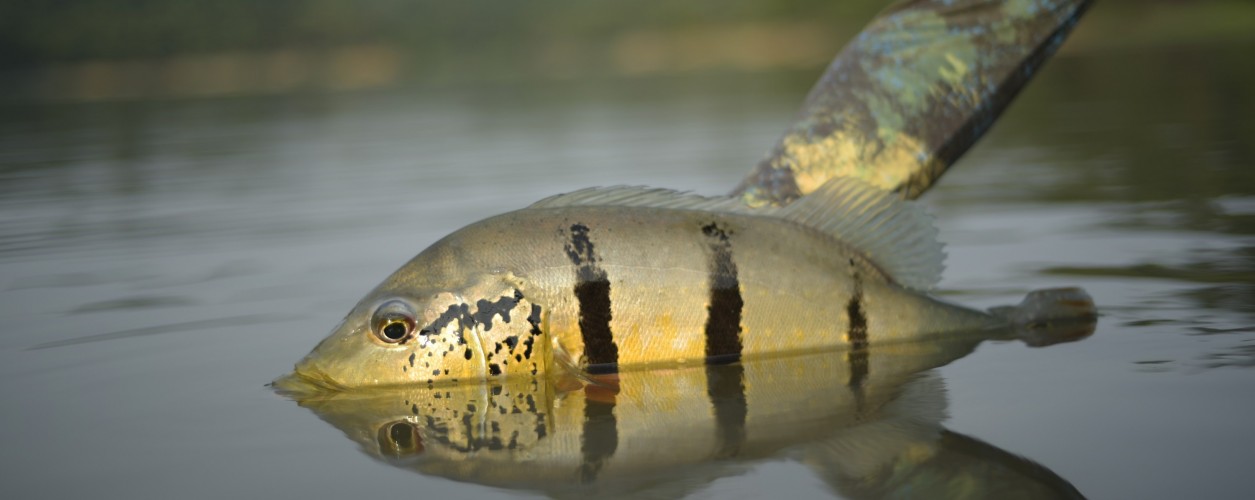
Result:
{"points": [[393, 322], [395, 330]]}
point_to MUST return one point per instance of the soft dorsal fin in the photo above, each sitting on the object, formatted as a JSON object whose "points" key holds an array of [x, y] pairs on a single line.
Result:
{"points": [[895, 234]]}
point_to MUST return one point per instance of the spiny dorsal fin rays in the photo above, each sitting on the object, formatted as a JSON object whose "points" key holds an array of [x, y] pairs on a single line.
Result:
{"points": [[895, 234], [641, 196], [911, 93]]}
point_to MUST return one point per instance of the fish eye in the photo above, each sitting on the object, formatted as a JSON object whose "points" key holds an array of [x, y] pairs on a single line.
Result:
{"points": [[393, 322]]}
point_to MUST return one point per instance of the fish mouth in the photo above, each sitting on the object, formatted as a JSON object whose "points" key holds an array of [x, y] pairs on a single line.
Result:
{"points": [[305, 384]]}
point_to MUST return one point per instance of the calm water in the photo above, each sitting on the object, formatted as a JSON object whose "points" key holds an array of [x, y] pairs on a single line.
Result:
{"points": [[161, 261]]}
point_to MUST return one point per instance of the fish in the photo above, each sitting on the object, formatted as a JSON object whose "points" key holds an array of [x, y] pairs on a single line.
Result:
{"points": [[606, 280], [645, 343], [869, 425]]}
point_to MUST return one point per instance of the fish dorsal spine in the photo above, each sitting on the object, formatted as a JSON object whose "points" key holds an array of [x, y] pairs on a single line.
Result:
{"points": [[896, 234]]}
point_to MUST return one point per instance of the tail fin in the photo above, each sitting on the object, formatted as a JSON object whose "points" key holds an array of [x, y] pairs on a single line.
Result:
{"points": [[1051, 316]]}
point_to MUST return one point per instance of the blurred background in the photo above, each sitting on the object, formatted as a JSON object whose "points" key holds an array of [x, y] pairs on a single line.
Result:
{"points": [[192, 194], [129, 49]]}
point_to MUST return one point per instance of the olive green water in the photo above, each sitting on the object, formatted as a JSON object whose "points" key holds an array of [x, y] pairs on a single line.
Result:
{"points": [[160, 261]]}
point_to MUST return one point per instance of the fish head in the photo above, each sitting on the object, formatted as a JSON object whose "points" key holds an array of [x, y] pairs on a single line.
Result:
{"points": [[398, 338], [406, 333]]}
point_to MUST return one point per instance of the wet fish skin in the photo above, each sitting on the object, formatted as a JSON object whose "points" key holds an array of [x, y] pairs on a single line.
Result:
{"points": [[602, 286]]}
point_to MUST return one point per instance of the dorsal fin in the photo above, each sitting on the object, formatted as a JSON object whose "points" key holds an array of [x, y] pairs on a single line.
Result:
{"points": [[895, 234], [643, 196]]}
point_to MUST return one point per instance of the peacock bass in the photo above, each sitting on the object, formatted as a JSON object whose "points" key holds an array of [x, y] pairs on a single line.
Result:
{"points": [[609, 279]]}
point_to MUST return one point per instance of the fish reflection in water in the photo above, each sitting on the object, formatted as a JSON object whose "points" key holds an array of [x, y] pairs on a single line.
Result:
{"points": [[868, 423]]}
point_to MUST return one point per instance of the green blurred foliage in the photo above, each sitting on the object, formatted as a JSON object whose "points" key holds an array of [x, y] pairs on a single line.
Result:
{"points": [[468, 32], [40, 31]]}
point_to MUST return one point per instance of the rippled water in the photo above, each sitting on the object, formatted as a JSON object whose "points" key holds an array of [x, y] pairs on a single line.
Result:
{"points": [[160, 261]]}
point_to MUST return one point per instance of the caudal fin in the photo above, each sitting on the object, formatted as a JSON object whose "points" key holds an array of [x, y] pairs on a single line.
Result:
{"points": [[1051, 316]]}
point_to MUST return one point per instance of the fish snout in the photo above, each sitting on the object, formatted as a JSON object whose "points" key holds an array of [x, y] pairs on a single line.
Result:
{"points": [[308, 378]]}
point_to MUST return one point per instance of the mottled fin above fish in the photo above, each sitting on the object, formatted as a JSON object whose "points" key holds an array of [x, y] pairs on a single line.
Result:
{"points": [[911, 93], [896, 234]]}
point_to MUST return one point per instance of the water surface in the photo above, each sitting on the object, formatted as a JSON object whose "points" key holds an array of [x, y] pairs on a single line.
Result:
{"points": [[160, 261]]}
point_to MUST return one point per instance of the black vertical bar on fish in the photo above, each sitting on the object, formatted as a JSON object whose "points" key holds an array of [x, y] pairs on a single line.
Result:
{"points": [[857, 335], [725, 377], [725, 385], [599, 346], [600, 438], [592, 291], [857, 357], [723, 320]]}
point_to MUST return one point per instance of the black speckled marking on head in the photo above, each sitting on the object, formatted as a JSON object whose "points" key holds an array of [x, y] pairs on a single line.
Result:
{"points": [[485, 310], [725, 385], [456, 312], [600, 438], [527, 345], [534, 320], [484, 313], [723, 320], [857, 335], [592, 291]]}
